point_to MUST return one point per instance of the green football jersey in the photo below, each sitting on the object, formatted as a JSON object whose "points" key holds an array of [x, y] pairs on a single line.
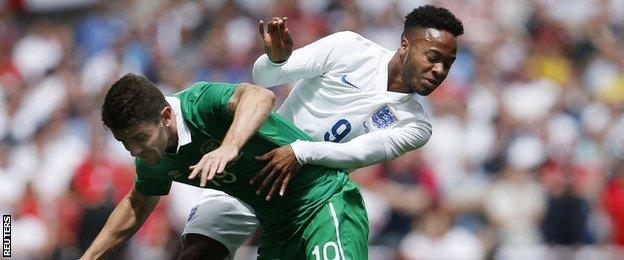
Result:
{"points": [[204, 109]]}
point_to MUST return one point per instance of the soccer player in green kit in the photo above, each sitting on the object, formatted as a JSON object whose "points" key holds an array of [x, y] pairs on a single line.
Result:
{"points": [[220, 128]]}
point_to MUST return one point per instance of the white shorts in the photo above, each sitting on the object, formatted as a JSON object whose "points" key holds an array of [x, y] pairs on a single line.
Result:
{"points": [[223, 218]]}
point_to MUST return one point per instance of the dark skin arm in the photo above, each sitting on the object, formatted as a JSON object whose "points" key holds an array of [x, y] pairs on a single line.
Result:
{"points": [[281, 167], [278, 43], [282, 164]]}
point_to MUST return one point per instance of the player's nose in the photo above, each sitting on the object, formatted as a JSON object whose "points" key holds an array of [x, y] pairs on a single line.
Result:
{"points": [[134, 151], [438, 70]]}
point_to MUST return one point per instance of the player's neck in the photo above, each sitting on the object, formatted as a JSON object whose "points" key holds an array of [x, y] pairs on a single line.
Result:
{"points": [[172, 129], [395, 81]]}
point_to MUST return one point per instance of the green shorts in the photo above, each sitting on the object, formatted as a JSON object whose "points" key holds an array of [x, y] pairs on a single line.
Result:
{"points": [[338, 231]]}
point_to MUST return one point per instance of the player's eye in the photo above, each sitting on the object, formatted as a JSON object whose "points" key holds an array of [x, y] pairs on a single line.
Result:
{"points": [[433, 57], [140, 138]]}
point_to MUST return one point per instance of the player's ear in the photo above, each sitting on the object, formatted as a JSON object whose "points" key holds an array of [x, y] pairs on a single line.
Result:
{"points": [[404, 45], [166, 115]]}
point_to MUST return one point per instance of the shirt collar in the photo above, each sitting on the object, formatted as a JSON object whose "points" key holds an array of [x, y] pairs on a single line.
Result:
{"points": [[184, 135]]}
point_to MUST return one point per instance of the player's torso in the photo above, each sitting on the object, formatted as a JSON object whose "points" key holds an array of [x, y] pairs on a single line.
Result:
{"points": [[349, 100]]}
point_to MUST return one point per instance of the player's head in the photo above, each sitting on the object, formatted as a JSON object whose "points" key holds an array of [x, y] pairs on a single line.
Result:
{"points": [[428, 47], [137, 113]]}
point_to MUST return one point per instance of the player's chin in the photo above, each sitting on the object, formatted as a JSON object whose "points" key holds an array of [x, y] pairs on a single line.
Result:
{"points": [[423, 89], [150, 160]]}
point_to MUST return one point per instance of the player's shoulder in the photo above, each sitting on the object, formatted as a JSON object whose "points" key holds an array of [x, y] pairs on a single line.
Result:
{"points": [[346, 35], [414, 109], [351, 39], [140, 166], [201, 85]]}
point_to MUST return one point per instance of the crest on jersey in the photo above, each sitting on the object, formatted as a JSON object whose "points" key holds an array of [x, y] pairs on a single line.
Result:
{"points": [[213, 144], [174, 174], [209, 145], [382, 118]]}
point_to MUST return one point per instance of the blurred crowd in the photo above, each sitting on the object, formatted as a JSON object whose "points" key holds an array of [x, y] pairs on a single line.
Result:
{"points": [[526, 158]]}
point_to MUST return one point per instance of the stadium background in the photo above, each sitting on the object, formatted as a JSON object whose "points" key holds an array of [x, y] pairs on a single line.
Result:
{"points": [[526, 159]]}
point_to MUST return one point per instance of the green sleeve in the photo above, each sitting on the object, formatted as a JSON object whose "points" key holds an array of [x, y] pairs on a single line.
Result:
{"points": [[147, 185], [152, 187], [213, 98]]}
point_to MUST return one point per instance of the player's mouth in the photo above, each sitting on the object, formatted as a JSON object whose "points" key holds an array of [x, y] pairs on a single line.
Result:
{"points": [[429, 84]]}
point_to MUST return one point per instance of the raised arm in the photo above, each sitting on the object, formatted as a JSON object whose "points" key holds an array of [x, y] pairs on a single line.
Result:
{"points": [[250, 106], [122, 224], [282, 65]]}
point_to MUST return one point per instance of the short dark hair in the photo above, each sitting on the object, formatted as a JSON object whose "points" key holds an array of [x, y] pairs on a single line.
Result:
{"points": [[130, 101], [429, 16]]}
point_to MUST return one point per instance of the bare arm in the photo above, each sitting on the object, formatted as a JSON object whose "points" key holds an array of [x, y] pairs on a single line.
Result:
{"points": [[251, 106], [310, 61], [126, 219]]}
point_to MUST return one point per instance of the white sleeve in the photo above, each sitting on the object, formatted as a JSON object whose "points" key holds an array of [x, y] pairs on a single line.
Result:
{"points": [[312, 60], [368, 149]]}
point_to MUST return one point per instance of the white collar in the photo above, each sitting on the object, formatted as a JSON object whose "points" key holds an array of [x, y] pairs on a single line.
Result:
{"points": [[184, 135]]}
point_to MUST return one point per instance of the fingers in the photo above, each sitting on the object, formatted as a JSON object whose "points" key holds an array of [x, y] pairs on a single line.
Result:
{"points": [[261, 28], [266, 156], [282, 24], [266, 181], [287, 37], [285, 183], [276, 184], [204, 175], [260, 174], [207, 168], [196, 169], [277, 28], [273, 27]]}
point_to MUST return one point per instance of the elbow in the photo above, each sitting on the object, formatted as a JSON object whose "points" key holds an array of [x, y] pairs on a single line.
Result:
{"points": [[270, 97], [264, 95], [424, 139], [421, 137], [267, 95]]}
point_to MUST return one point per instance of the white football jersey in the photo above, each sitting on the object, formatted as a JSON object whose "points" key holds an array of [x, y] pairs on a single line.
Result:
{"points": [[341, 97]]}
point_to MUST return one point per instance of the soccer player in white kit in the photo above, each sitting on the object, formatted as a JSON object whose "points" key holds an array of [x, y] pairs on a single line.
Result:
{"points": [[360, 102]]}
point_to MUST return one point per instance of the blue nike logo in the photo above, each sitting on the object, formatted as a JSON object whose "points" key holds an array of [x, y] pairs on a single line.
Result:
{"points": [[344, 80]]}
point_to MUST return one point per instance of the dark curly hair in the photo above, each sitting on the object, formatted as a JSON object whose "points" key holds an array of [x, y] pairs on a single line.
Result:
{"points": [[132, 100], [429, 16]]}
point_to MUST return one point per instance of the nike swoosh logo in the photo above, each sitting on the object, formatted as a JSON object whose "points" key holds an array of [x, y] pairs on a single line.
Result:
{"points": [[344, 80]]}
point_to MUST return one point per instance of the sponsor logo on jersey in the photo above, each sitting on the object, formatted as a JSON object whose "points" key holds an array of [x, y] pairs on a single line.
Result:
{"points": [[383, 118], [192, 214], [213, 144], [345, 81], [210, 145], [175, 174]]}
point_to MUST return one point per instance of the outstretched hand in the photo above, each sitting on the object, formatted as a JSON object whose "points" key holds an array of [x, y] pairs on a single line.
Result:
{"points": [[213, 163], [278, 43], [282, 166]]}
